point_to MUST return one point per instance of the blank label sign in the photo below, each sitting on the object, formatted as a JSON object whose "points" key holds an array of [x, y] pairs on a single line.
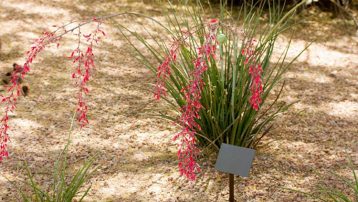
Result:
{"points": [[235, 160]]}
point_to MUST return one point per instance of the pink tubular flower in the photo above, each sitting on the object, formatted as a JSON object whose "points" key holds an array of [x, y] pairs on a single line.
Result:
{"points": [[84, 63], [188, 152], [163, 71], [14, 89], [249, 51], [255, 72]]}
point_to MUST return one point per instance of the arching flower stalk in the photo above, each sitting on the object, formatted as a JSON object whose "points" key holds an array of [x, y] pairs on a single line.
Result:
{"points": [[14, 89], [85, 63], [163, 70], [188, 151], [255, 71]]}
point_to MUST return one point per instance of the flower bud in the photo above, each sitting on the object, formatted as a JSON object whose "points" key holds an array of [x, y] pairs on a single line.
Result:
{"points": [[221, 38]]}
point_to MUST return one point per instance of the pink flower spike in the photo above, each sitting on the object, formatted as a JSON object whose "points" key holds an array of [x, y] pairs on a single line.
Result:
{"points": [[163, 71], [188, 151], [14, 89], [256, 88]]}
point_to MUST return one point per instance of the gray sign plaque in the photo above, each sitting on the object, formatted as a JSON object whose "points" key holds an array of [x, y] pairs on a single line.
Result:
{"points": [[235, 160]]}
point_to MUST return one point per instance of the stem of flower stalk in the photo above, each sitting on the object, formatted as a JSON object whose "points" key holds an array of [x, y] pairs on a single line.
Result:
{"points": [[222, 61], [221, 40], [102, 18], [71, 126], [66, 146], [69, 133], [231, 188]]}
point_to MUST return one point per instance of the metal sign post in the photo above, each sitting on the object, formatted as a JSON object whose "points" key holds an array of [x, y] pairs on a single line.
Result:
{"points": [[235, 161], [231, 187]]}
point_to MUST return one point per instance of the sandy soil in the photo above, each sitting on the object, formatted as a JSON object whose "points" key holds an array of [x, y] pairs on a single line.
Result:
{"points": [[137, 159]]}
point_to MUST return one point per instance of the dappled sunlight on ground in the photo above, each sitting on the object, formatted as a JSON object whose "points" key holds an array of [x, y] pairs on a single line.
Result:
{"points": [[342, 109], [319, 54], [310, 77]]}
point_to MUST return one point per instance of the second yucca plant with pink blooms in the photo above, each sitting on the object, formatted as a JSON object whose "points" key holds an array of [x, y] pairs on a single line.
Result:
{"points": [[217, 78]]}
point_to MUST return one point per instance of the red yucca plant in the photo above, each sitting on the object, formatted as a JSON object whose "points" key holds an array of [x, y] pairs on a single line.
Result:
{"points": [[216, 77]]}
